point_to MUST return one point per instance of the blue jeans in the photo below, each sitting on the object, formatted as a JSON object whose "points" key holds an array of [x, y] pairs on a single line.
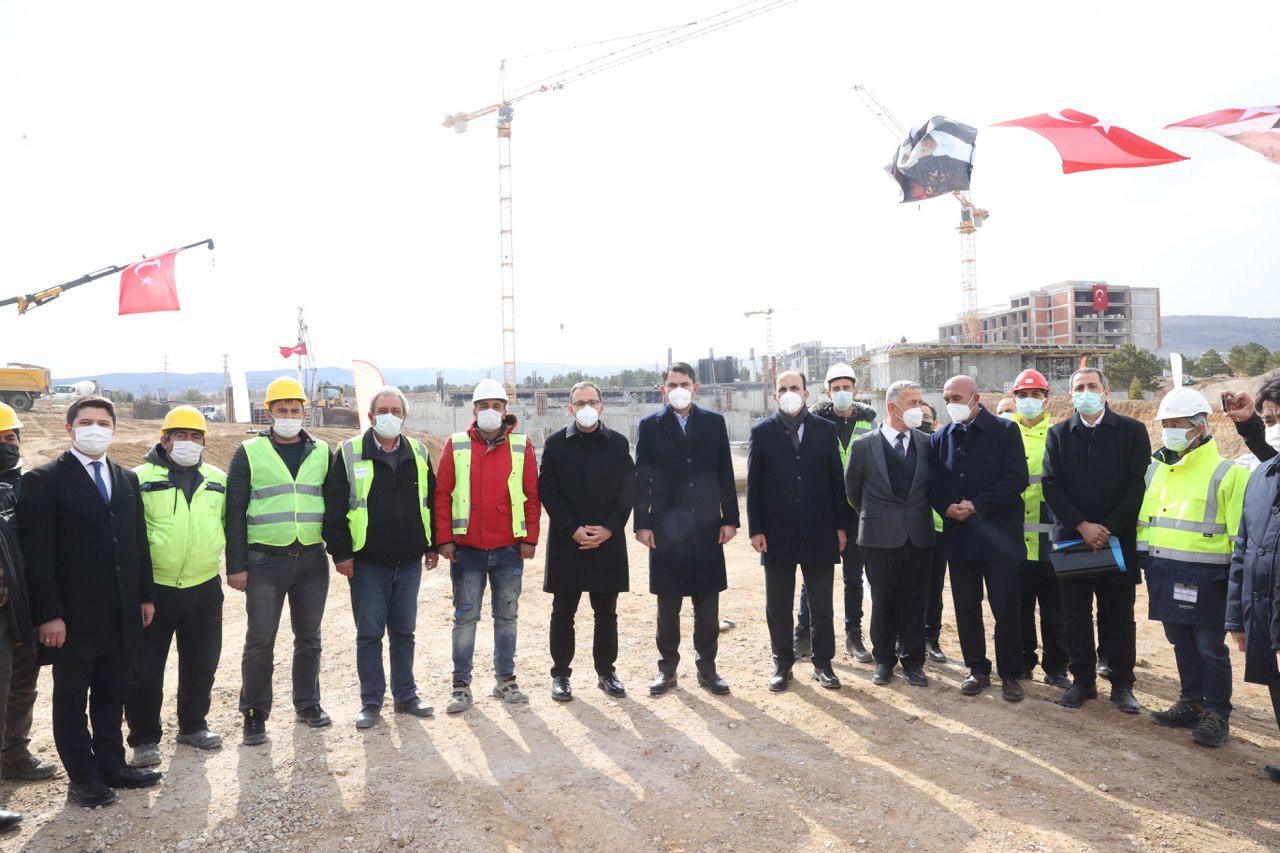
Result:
{"points": [[384, 600], [503, 568], [1204, 665]]}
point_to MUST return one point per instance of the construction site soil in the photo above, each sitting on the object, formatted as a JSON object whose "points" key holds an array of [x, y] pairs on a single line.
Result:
{"points": [[891, 767]]}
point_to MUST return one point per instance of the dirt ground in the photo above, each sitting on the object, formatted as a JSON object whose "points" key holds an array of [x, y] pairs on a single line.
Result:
{"points": [[891, 767]]}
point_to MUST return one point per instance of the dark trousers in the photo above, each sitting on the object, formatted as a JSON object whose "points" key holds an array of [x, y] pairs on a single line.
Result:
{"points": [[899, 580], [194, 616], [304, 580], [851, 562], [19, 707], [1204, 665], [1116, 630], [604, 646], [1275, 700], [1039, 582], [937, 579], [102, 683], [384, 601], [1000, 577], [706, 632], [780, 596]]}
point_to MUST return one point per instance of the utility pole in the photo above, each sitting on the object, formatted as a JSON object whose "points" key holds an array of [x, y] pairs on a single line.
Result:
{"points": [[166, 377], [226, 377]]}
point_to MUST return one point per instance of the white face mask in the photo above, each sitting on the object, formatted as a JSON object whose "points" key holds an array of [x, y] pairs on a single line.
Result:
{"points": [[790, 402], [387, 425], [587, 417], [286, 427], [680, 398], [93, 440], [1175, 438], [913, 417], [489, 420], [842, 400], [1273, 436], [186, 453], [1030, 407], [959, 412]]}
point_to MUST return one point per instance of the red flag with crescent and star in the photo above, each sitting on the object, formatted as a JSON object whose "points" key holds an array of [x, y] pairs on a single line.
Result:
{"points": [[298, 349], [1086, 142], [1100, 298], [149, 286], [1257, 128]]}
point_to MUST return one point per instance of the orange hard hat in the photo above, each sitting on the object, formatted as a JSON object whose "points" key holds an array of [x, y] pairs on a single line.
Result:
{"points": [[1030, 379]]}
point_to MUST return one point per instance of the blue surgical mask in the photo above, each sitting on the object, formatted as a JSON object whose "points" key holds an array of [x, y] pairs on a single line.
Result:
{"points": [[842, 400], [1030, 407], [1087, 402]]}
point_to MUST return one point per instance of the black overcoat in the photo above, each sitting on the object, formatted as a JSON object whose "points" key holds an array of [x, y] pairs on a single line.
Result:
{"points": [[1253, 587]]}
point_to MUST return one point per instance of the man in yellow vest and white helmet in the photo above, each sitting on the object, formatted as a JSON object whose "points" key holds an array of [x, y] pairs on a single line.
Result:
{"points": [[184, 501], [275, 513], [488, 490], [1186, 529]]}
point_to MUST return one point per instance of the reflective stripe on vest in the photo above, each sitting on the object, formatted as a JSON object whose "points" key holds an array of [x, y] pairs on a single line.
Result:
{"points": [[360, 481], [859, 428], [1035, 518], [1173, 525], [283, 510], [461, 441], [186, 538]]}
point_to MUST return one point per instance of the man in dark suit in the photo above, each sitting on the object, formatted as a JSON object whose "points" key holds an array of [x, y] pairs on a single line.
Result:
{"points": [[797, 514], [686, 512], [977, 474], [588, 486], [1094, 465], [84, 537], [887, 481]]}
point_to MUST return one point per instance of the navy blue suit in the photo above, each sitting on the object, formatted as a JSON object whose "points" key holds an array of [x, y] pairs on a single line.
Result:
{"points": [[984, 463]]}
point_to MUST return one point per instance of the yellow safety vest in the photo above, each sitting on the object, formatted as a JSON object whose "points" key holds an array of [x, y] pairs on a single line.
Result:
{"points": [[860, 428], [1033, 523], [1191, 510], [462, 482], [360, 479], [283, 510], [186, 538]]}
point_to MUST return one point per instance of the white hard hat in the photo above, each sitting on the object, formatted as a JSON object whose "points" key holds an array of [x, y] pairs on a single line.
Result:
{"points": [[840, 370], [1183, 403], [488, 389]]}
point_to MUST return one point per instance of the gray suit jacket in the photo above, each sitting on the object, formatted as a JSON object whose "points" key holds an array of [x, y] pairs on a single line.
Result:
{"points": [[884, 520]]}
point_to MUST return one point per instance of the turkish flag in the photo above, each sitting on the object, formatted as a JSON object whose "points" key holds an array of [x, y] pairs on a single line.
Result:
{"points": [[1257, 128], [1085, 142], [149, 286], [1100, 298], [298, 349]]}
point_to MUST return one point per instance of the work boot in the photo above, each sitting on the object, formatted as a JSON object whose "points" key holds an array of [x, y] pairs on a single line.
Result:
{"points": [[933, 651], [146, 755], [780, 678], [1181, 715], [801, 644], [854, 646], [1212, 731], [203, 739], [1124, 700], [255, 728], [30, 768], [1103, 668]]}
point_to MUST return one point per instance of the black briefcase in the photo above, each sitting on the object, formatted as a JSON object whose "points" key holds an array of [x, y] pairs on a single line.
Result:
{"points": [[1076, 560]]}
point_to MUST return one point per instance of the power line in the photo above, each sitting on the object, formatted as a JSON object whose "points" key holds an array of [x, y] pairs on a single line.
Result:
{"points": [[594, 43]]}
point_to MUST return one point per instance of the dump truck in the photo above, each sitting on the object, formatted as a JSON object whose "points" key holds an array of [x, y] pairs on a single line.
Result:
{"points": [[22, 384]]}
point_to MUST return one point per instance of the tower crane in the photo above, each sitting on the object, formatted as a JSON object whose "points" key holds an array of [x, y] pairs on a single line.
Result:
{"points": [[971, 219], [649, 43]]}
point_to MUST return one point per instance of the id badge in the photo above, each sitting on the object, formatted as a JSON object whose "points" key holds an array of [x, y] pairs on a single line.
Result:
{"points": [[361, 471], [1185, 593]]}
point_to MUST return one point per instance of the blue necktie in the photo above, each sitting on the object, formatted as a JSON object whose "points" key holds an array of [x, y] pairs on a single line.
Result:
{"points": [[99, 482]]}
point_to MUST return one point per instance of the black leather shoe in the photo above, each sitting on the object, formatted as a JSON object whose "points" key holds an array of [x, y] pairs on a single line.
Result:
{"points": [[255, 728], [662, 683], [132, 777], [414, 706], [91, 794], [611, 685], [1103, 668], [916, 678], [781, 677], [974, 683], [1011, 690], [826, 677], [883, 674], [1077, 693], [1057, 679], [368, 717], [713, 683], [1273, 772], [560, 689], [934, 652], [313, 716], [1123, 699], [8, 820]]}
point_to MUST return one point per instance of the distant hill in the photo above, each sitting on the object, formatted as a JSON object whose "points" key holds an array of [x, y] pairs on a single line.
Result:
{"points": [[1192, 334]]}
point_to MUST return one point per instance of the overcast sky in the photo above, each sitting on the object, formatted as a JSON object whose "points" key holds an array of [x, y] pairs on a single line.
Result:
{"points": [[654, 203]]}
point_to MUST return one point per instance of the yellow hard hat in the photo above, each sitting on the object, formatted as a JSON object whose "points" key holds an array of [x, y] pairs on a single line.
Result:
{"points": [[183, 417], [8, 418], [285, 388]]}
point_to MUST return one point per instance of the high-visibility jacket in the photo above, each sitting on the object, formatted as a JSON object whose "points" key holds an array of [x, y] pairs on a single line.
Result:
{"points": [[1037, 520], [186, 538], [461, 443], [860, 428], [360, 479], [1192, 507], [283, 510]]}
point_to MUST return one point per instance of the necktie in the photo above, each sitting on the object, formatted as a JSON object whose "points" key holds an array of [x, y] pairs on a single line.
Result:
{"points": [[99, 482], [902, 445]]}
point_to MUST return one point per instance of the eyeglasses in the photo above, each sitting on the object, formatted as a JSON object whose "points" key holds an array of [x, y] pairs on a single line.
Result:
{"points": [[595, 404]]}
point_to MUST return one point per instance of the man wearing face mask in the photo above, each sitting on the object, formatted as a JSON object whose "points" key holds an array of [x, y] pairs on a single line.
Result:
{"points": [[1186, 527], [488, 487], [686, 512], [588, 486], [977, 474], [1037, 580], [275, 550], [378, 528], [937, 566], [852, 419], [185, 502], [797, 514], [84, 540], [1094, 463]]}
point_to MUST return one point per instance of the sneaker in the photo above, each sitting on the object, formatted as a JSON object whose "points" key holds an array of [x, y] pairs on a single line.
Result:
{"points": [[1181, 715], [146, 755], [203, 739], [255, 728], [509, 691], [313, 716], [459, 699], [1212, 731], [801, 644]]}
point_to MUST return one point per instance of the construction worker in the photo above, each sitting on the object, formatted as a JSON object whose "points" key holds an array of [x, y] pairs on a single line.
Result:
{"points": [[1037, 580], [275, 514], [1186, 530], [184, 499], [378, 529], [488, 488], [852, 419]]}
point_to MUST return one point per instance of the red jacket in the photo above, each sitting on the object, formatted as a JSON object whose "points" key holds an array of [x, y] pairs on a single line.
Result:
{"points": [[490, 525]]}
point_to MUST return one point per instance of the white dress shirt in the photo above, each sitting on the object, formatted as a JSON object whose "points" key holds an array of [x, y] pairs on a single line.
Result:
{"points": [[88, 469], [891, 434]]}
